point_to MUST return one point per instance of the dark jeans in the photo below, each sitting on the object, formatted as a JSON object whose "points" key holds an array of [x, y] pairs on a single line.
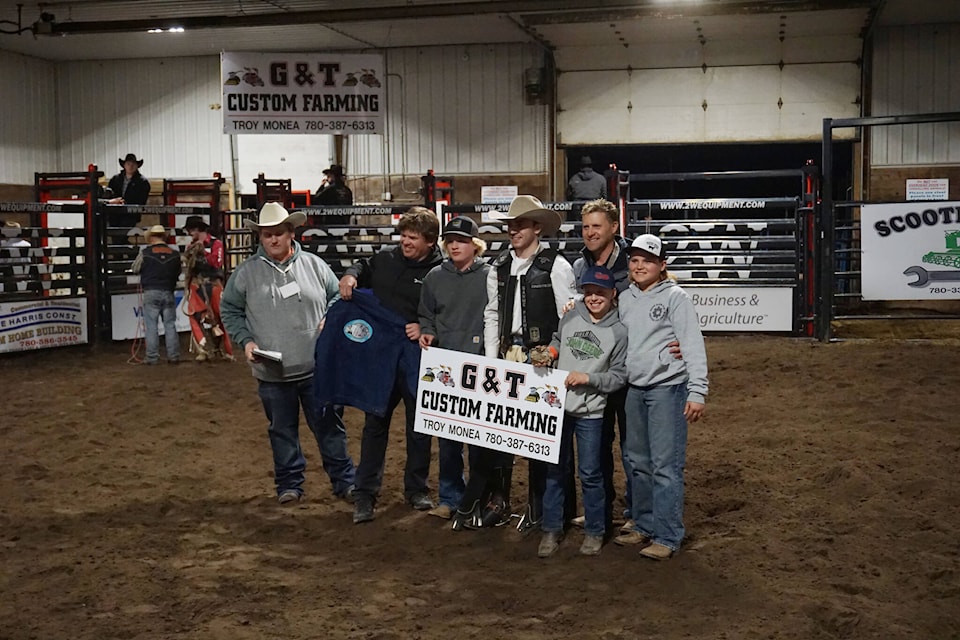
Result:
{"points": [[614, 415], [587, 432], [282, 402], [373, 449]]}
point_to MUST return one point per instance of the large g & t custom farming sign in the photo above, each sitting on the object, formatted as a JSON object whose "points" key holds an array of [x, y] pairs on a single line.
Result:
{"points": [[911, 251], [330, 93], [497, 404]]}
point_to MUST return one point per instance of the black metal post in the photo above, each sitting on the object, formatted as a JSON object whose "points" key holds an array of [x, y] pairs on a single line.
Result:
{"points": [[825, 237]]}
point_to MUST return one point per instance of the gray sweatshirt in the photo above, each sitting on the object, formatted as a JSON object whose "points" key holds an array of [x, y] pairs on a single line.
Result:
{"points": [[255, 308], [653, 319], [598, 349], [451, 306]]}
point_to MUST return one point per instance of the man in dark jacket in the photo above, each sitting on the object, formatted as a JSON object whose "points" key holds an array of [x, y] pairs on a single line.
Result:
{"points": [[129, 186], [586, 184], [333, 190], [159, 267], [396, 275]]}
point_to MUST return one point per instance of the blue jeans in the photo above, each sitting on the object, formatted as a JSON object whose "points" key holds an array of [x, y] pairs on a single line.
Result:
{"points": [[157, 304], [657, 450], [589, 434], [451, 483], [282, 402]]}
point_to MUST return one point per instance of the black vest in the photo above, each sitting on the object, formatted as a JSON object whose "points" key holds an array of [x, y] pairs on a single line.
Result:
{"points": [[538, 305]]}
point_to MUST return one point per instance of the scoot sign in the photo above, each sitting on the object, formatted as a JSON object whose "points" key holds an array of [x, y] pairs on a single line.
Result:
{"points": [[302, 93], [507, 406]]}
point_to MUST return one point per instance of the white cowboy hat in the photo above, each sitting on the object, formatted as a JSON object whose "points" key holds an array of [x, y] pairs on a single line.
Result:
{"points": [[530, 208], [156, 230], [273, 214]]}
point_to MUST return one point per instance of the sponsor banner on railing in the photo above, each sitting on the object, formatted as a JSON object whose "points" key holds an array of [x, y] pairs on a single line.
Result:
{"points": [[126, 316], [910, 251], [329, 93], [497, 404], [41, 324], [743, 308]]}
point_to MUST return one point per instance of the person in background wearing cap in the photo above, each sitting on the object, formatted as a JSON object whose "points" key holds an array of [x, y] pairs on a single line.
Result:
{"points": [[129, 186], [586, 184], [527, 289], [452, 300], [395, 275], [591, 344], [276, 300], [333, 190], [664, 394], [159, 267], [203, 260]]}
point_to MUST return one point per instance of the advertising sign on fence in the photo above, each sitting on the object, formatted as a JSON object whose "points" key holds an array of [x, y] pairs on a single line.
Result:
{"points": [[330, 93], [126, 316], [497, 404], [41, 324], [743, 308], [928, 189], [911, 251]]}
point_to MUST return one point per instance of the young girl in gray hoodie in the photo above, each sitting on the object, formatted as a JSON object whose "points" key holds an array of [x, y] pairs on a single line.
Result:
{"points": [[664, 394]]}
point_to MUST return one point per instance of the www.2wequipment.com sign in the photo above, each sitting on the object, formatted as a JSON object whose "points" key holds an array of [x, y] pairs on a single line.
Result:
{"points": [[507, 406], [330, 93]]}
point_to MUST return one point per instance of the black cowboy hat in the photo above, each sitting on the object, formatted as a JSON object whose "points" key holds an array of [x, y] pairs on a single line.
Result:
{"points": [[195, 222], [129, 157], [335, 169]]}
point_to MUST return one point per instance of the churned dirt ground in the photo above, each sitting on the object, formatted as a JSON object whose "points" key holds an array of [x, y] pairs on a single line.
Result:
{"points": [[822, 502]]}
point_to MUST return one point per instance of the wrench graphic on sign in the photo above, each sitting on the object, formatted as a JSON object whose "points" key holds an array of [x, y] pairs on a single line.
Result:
{"points": [[924, 276]]}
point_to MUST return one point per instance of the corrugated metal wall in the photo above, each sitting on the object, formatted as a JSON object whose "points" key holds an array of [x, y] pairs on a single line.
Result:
{"points": [[164, 110], [28, 118], [916, 69], [457, 110]]}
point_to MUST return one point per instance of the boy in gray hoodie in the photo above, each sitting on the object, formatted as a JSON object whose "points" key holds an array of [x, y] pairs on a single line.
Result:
{"points": [[664, 395], [590, 343]]}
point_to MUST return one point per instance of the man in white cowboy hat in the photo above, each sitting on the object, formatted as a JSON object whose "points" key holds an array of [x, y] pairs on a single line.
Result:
{"points": [[527, 289], [276, 302], [159, 267], [129, 186]]}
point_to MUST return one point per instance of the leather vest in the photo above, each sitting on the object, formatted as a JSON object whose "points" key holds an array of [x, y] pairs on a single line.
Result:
{"points": [[538, 305]]}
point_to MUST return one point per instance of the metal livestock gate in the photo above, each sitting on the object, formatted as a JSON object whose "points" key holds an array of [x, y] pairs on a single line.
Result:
{"points": [[839, 259]]}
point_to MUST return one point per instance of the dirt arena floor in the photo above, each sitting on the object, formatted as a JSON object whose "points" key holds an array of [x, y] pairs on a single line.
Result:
{"points": [[822, 502]]}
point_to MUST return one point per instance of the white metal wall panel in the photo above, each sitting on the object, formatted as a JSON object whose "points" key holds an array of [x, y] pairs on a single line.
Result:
{"points": [[916, 69], [164, 110], [457, 110], [742, 104], [28, 116], [764, 77]]}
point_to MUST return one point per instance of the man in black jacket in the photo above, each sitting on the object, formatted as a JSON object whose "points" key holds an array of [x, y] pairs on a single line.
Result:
{"points": [[129, 186], [333, 190], [396, 277]]}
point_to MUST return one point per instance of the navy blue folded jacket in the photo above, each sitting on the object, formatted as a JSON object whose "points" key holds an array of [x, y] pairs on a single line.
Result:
{"points": [[361, 351]]}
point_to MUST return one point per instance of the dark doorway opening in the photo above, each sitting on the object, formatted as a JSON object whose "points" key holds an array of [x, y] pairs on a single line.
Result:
{"points": [[649, 159]]}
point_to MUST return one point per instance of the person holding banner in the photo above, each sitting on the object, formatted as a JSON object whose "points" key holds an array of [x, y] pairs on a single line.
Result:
{"points": [[591, 344], [396, 276], [664, 394], [274, 306], [451, 316], [527, 289]]}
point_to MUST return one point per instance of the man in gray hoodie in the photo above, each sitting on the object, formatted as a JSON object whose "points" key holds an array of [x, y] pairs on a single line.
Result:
{"points": [[273, 307], [586, 184]]}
